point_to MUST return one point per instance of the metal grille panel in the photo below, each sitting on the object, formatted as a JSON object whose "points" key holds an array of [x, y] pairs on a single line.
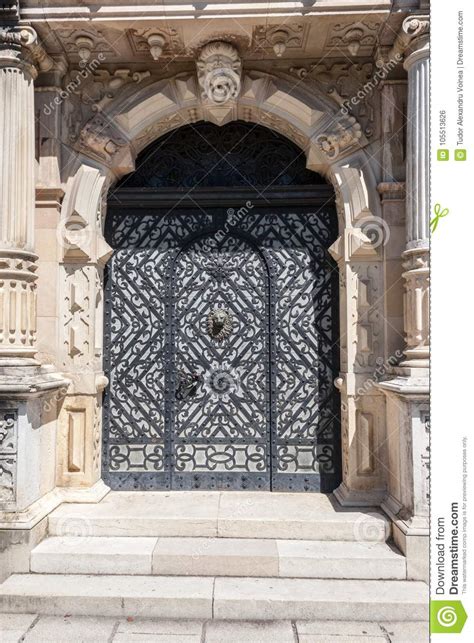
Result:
{"points": [[256, 409]]}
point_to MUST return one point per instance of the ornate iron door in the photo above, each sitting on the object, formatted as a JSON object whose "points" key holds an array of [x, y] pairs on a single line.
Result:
{"points": [[221, 350], [221, 341]]}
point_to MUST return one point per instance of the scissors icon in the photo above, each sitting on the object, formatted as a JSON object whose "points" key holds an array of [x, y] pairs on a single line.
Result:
{"points": [[439, 214]]}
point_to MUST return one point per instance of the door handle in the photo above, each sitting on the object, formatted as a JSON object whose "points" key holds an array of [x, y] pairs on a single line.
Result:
{"points": [[188, 385]]}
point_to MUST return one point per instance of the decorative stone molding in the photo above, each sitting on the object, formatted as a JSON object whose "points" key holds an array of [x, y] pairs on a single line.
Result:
{"points": [[360, 269], [80, 441], [369, 345], [8, 456], [357, 38], [70, 40], [81, 301], [290, 34], [340, 138], [219, 69], [142, 42], [165, 125], [417, 306], [99, 88], [392, 191], [342, 82], [361, 348], [393, 130], [17, 303], [263, 99], [102, 140], [84, 46], [278, 124]]}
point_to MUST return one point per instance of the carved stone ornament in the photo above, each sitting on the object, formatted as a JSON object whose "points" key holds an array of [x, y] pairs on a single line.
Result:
{"points": [[98, 88], [219, 70], [96, 40], [279, 37], [100, 138], [342, 135], [8, 455], [343, 82], [357, 38], [414, 28], [219, 324], [148, 42]]}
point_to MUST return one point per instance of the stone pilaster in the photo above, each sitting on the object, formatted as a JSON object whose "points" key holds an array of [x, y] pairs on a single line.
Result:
{"points": [[407, 394], [362, 404]]}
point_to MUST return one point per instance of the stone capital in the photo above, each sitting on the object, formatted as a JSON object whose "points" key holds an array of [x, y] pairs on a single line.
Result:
{"points": [[416, 30], [412, 39], [20, 47]]}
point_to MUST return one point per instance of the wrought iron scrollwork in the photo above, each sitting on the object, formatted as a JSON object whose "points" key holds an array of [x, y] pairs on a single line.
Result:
{"points": [[206, 155]]}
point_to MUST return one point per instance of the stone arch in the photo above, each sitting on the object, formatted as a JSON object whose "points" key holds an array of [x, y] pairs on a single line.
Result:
{"points": [[333, 142], [334, 146]]}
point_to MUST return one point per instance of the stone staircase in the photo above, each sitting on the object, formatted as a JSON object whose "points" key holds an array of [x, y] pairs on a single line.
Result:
{"points": [[222, 555]]}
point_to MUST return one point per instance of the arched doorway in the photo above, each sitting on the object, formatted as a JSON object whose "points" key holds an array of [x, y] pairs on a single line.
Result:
{"points": [[221, 341]]}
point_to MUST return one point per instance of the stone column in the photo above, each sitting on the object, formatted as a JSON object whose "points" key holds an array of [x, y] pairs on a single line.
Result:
{"points": [[416, 255], [17, 195], [27, 425]]}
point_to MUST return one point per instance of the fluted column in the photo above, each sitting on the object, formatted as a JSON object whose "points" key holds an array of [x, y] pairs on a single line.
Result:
{"points": [[407, 394], [17, 193], [416, 255]]}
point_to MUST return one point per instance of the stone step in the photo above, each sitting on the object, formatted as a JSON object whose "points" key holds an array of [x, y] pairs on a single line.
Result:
{"points": [[218, 557], [219, 598], [234, 514]]}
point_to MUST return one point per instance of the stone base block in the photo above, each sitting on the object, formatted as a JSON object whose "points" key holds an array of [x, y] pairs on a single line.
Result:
{"points": [[416, 548], [358, 497], [16, 546]]}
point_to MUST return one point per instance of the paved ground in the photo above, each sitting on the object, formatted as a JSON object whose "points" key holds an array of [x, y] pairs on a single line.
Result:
{"points": [[15, 628]]}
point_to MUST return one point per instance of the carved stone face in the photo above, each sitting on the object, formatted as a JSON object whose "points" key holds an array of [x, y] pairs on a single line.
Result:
{"points": [[219, 324], [219, 68]]}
